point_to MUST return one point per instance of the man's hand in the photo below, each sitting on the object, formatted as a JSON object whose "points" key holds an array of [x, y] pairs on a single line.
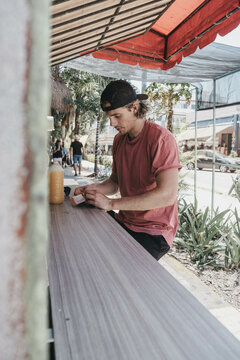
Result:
{"points": [[82, 189], [94, 197], [97, 199]]}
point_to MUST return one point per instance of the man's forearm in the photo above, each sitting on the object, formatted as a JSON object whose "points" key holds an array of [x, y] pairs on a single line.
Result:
{"points": [[163, 195], [150, 200]]}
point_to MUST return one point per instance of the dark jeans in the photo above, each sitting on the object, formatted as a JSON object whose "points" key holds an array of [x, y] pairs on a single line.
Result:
{"points": [[156, 245]]}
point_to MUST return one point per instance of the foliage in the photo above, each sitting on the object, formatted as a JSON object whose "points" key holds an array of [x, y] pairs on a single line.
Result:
{"points": [[200, 234], [233, 154], [186, 157], [106, 161], [232, 248], [105, 170], [86, 89], [164, 96], [182, 185], [103, 160], [89, 157], [57, 132], [236, 183]]}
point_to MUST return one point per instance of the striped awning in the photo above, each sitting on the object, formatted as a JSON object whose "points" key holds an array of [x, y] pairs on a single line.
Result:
{"points": [[152, 33]]}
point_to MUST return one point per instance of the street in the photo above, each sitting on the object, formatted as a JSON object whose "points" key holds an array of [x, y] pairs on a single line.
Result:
{"points": [[223, 183]]}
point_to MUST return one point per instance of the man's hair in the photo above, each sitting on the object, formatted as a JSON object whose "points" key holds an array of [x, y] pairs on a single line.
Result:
{"points": [[142, 109]]}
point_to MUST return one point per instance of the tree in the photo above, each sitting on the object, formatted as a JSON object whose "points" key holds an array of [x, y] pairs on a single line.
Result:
{"points": [[165, 96], [86, 90], [61, 104]]}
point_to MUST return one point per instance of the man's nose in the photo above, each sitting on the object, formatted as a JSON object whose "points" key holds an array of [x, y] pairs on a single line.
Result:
{"points": [[113, 122]]}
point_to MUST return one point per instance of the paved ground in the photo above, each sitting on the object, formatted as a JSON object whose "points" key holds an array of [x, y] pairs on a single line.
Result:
{"points": [[223, 311]]}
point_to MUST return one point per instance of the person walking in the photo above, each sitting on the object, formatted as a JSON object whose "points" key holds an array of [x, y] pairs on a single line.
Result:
{"points": [[145, 171], [58, 152], [76, 154], [65, 155]]}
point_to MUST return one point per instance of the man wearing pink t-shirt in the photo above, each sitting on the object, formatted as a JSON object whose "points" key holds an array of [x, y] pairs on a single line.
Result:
{"points": [[145, 171]]}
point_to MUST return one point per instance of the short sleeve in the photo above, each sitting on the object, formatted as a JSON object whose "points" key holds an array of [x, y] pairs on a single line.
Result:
{"points": [[165, 154]]}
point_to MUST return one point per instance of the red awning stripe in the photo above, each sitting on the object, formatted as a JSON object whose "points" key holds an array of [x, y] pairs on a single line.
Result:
{"points": [[152, 55]]}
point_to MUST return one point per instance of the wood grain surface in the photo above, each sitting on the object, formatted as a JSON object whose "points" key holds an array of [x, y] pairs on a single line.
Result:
{"points": [[112, 300]]}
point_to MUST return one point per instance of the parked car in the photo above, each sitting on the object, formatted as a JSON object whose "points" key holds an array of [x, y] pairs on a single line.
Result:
{"points": [[222, 162]]}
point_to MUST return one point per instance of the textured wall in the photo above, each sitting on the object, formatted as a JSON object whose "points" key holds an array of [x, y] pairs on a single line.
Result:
{"points": [[23, 178]]}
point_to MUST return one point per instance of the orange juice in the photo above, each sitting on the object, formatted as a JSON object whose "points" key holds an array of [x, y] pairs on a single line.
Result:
{"points": [[56, 184]]}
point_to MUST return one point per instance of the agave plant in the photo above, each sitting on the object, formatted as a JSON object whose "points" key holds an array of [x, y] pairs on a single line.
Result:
{"points": [[183, 186], [201, 234], [232, 249]]}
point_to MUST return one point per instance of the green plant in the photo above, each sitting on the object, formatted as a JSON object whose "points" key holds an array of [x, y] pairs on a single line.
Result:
{"points": [[233, 153], [183, 186], [90, 157], [186, 157], [200, 234], [237, 188], [232, 249]]}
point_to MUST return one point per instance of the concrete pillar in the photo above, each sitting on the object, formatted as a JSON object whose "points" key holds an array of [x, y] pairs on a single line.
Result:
{"points": [[23, 179]]}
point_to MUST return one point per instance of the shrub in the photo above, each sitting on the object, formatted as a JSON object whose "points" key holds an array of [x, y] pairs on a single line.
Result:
{"points": [[182, 186], [200, 234], [232, 248], [186, 157]]}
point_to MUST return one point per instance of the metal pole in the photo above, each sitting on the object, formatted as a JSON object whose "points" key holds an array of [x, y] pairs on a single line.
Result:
{"points": [[214, 135], [195, 147], [227, 74], [96, 170]]}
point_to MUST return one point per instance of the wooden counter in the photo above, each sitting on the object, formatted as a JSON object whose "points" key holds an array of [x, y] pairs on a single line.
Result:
{"points": [[112, 301]]}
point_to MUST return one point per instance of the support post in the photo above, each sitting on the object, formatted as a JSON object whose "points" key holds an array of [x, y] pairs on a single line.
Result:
{"points": [[214, 141], [195, 146]]}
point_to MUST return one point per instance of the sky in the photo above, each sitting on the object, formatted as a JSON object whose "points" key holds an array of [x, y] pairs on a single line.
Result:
{"points": [[233, 38]]}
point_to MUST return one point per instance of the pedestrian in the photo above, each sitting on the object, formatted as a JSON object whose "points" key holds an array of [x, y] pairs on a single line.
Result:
{"points": [[65, 155], [185, 147], [145, 171], [58, 152], [76, 153]]}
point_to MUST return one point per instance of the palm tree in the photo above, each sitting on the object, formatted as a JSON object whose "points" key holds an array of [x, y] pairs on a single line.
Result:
{"points": [[86, 89], [165, 96]]}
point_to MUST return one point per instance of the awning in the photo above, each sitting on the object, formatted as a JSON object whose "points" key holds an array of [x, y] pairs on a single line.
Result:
{"points": [[154, 34], [202, 133], [208, 63]]}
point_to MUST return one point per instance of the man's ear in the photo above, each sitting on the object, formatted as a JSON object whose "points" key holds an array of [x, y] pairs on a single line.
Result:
{"points": [[135, 107]]}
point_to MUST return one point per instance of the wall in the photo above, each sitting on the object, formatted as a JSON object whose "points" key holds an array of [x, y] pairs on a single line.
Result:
{"points": [[23, 179]]}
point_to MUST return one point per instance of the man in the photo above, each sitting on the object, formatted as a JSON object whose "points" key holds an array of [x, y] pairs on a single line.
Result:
{"points": [[76, 153], [145, 170]]}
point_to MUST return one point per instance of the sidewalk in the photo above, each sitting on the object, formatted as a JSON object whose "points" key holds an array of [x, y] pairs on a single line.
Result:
{"points": [[83, 179], [223, 311]]}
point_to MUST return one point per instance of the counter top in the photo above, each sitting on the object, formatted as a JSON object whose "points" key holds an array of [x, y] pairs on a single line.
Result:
{"points": [[112, 300]]}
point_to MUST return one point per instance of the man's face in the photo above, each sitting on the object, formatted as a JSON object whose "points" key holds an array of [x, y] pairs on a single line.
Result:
{"points": [[123, 119]]}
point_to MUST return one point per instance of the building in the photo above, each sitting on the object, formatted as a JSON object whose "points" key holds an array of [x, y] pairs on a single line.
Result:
{"points": [[226, 129]]}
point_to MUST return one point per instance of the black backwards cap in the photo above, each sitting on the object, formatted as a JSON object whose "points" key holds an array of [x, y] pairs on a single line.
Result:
{"points": [[117, 94]]}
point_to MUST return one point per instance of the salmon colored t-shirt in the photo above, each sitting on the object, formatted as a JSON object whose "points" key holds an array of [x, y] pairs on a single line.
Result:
{"points": [[136, 163]]}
